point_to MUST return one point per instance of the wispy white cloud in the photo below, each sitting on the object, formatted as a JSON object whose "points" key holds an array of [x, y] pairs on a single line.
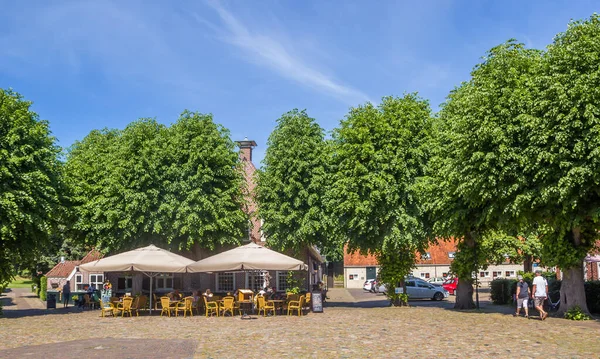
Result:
{"points": [[266, 50]]}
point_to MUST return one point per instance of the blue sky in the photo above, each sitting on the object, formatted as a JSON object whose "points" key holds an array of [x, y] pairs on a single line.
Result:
{"points": [[93, 64]]}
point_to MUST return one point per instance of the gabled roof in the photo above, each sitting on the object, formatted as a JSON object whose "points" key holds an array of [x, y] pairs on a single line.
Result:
{"points": [[63, 270]]}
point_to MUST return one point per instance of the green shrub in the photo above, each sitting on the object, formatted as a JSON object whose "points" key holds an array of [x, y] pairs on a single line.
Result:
{"points": [[592, 295], [502, 290], [575, 313], [43, 287]]}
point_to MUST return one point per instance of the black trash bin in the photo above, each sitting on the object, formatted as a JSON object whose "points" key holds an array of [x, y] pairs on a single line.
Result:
{"points": [[51, 301]]}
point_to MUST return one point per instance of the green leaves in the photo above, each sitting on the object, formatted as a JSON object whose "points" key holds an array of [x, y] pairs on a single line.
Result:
{"points": [[30, 183], [292, 183], [377, 156], [176, 186]]}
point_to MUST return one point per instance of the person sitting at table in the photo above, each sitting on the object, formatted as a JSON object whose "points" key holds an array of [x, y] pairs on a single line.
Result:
{"points": [[208, 294], [196, 295]]}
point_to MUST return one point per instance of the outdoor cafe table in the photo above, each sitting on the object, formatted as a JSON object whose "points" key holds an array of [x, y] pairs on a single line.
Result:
{"points": [[279, 304], [245, 305]]}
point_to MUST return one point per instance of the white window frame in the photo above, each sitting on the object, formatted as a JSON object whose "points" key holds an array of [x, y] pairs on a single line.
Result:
{"points": [[486, 274], [426, 256], [509, 273], [496, 274], [222, 275], [99, 280], [251, 277], [160, 282], [425, 275], [281, 279], [78, 282], [451, 254]]}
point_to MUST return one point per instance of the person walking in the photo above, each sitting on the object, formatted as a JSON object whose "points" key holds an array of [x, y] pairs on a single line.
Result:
{"points": [[523, 294], [540, 292], [66, 292]]}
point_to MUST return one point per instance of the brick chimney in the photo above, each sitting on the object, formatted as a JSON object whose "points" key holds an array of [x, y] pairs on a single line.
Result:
{"points": [[246, 147]]}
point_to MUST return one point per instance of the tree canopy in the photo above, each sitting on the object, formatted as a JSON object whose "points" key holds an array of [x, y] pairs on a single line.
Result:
{"points": [[175, 186], [377, 155], [30, 183], [292, 183]]}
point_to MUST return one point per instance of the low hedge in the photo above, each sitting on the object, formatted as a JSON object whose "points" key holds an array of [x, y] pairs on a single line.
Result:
{"points": [[43, 287]]}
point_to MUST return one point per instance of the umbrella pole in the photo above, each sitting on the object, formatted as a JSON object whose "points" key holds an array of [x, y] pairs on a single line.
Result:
{"points": [[151, 280]]}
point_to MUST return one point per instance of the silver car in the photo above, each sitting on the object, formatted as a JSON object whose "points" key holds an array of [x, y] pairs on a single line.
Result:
{"points": [[420, 289]]}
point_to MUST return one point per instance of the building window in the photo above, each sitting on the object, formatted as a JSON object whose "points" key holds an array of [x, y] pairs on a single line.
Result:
{"points": [[78, 282], [282, 282], [510, 273], [451, 254], [425, 275], [164, 282], [445, 274], [255, 281], [484, 274], [426, 256], [96, 280], [225, 282], [125, 283], [496, 274]]}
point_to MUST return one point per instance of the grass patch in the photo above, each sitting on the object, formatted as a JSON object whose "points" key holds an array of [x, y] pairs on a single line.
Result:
{"points": [[20, 282]]}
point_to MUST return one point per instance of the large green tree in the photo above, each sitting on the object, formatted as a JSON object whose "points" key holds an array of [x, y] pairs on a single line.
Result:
{"points": [[173, 186], [563, 152], [292, 184], [378, 154], [475, 177], [30, 184]]}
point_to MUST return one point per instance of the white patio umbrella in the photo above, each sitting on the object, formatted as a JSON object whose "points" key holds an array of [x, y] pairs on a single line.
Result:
{"points": [[245, 258], [149, 260]]}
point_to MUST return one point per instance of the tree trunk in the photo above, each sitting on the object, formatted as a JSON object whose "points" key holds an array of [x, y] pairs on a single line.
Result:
{"points": [[572, 290], [528, 264], [464, 294], [464, 289]]}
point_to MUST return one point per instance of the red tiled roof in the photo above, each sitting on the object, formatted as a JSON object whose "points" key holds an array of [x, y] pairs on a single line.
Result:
{"points": [[92, 255], [357, 259], [438, 254], [63, 270]]}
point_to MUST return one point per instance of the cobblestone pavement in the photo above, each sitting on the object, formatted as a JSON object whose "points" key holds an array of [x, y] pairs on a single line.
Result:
{"points": [[346, 329]]}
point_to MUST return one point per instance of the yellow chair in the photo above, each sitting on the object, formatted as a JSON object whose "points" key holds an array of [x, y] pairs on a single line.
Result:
{"points": [[269, 306], [186, 306], [296, 305], [307, 302], [156, 302], [107, 308], [125, 306], [165, 303], [236, 306], [228, 306], [211, 307], [138, 304]]}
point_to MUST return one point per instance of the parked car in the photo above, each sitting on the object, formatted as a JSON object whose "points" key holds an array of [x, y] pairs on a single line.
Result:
{"points": [[370, 285], [420, 289], [450, 285], [437, 281]]}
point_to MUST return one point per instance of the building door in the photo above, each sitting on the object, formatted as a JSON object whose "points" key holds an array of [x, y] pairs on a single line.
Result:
{"points": [[371, 272]]}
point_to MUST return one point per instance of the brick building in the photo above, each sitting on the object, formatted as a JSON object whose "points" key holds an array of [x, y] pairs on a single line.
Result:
{"points": [[434, 263], [69, 271], [134, 282]]}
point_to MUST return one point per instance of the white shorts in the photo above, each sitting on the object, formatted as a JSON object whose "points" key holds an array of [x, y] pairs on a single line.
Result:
{"points": [[521, 302]]}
